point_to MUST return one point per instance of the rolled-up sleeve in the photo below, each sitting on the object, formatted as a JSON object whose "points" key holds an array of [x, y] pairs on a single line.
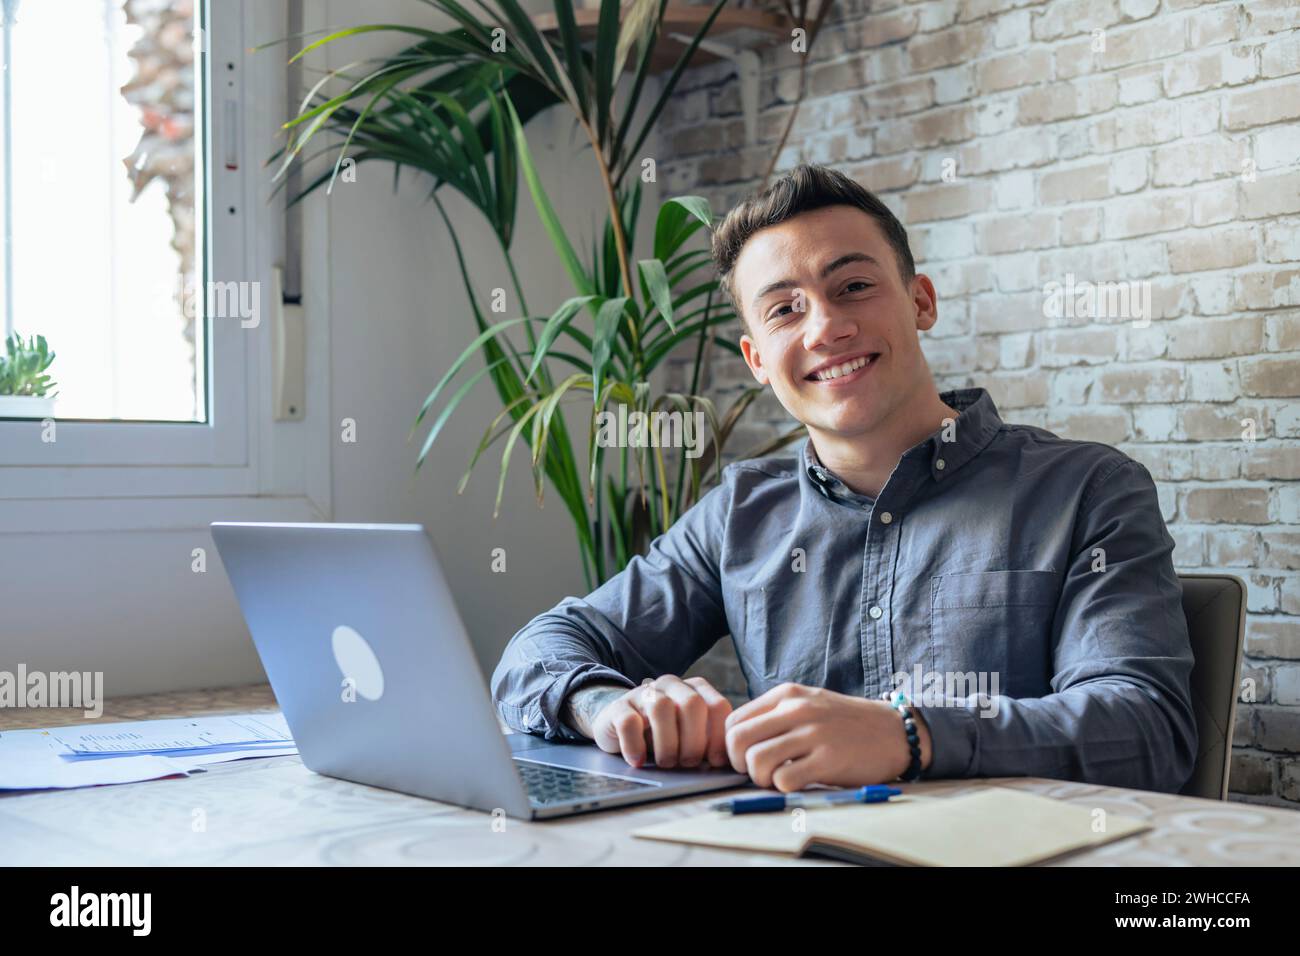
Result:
{"points": [[657, 616], [1120, 713]]}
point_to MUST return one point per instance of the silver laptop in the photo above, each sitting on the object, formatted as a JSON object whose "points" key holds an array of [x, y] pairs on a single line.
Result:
{"points": [[373, 669]]}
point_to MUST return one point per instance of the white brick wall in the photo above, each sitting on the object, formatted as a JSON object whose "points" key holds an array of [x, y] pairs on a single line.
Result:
{"points": [[1172, 156]]}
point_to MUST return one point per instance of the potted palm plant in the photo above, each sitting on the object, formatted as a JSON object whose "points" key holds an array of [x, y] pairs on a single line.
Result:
{"points": [[453, 105], [24, 386]]}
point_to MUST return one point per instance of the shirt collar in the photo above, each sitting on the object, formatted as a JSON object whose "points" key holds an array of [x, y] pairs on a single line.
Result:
{"points": [[946, 450], [827, 482]]}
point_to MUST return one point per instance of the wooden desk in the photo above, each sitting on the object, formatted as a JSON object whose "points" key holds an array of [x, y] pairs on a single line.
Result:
{"points": [[273, 811]]}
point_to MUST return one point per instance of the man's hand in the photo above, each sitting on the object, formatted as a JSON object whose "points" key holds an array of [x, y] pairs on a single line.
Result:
{"points": [[675, 722], [794, 736]]}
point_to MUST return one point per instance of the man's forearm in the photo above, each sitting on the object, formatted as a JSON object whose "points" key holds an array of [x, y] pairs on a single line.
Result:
{"points": [[1109, 732], [581, 707]]}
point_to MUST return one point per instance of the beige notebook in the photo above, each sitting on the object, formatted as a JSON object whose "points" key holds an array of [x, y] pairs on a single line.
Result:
{"points": [[996, 826]]}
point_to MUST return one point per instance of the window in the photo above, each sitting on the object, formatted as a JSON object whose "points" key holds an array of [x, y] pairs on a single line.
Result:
{"points": [[200, 427], [100, 174]]}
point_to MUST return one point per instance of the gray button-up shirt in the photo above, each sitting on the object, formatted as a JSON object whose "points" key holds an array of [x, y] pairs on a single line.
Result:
{"points": [[1019, 586]]}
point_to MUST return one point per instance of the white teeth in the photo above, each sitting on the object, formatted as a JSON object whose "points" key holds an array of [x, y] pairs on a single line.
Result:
{"points": [[831, 373]]}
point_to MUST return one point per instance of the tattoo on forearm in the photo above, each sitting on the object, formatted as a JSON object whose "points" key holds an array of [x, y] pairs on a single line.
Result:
{"points": [[582, 706]]}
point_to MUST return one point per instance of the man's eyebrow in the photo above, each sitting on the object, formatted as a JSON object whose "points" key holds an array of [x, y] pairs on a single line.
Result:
{"points": [[830, 267]]}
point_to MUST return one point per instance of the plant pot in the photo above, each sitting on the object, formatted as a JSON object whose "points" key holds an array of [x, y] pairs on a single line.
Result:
{"points": [[26, 406]]}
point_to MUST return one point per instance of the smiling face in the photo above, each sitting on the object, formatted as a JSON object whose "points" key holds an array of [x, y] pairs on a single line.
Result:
{"points": [[831, 324]]}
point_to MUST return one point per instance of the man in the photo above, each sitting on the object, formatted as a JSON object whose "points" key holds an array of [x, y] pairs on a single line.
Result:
{"points": [[913, 535]]}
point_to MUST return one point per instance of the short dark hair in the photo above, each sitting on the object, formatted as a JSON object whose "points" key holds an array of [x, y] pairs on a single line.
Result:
{"points": [[803, 189]]}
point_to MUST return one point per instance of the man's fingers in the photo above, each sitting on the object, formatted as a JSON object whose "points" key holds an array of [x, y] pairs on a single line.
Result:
{"points": [[692, 721], [773, 723], [661, 712], [761, 704], [766, 757], [630, 729], [797, 773], [671, 721], [719, 708]]}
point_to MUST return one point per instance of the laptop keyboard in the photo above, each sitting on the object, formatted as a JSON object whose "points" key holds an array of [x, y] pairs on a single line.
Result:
{"points": [[548, 785]]}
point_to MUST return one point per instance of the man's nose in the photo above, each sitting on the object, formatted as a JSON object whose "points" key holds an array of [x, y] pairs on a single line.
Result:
{"points": [[826, 323]]}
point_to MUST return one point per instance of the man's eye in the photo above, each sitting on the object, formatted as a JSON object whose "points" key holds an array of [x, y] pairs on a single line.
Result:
{"points": [[865, 285]]}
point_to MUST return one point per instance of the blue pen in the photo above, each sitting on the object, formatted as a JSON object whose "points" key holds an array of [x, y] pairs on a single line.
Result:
{"points": [[876, 793]]}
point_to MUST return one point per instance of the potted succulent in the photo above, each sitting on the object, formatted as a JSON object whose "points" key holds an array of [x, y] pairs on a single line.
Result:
{"points": [[24, 386]]}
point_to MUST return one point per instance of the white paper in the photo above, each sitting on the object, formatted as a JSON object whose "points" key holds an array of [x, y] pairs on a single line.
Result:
{"points": [[173, 735], [29, 762], [92, 754], [268, 746], [224, 756]]}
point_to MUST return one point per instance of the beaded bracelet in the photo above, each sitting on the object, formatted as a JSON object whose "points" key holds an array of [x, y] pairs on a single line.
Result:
{"points": [[903, 704]]}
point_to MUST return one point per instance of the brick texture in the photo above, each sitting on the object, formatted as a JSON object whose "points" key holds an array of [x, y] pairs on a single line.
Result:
{"points": [[1150, 144]]}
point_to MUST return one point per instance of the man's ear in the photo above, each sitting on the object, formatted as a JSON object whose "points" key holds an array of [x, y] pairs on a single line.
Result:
{"points": [[925, 301], [752, 358]]}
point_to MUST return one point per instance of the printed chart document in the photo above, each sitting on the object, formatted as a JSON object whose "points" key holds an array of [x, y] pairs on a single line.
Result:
{"points": [[177, 734], [28, 761], [92, 754]]}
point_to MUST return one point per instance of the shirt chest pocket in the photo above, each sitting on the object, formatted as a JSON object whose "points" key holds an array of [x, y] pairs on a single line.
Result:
{"points": [[997, 624], [784, 640]]}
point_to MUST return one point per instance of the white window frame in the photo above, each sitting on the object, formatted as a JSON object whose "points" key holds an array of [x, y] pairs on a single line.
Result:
{"points": [[239, 464]]}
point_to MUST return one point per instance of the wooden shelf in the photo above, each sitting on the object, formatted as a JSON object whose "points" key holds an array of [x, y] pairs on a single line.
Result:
{"points": [[752, 28]]}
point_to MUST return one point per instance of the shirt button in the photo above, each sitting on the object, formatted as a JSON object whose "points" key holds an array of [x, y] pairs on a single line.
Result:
{"points": [[886, 517], [875, 611], [939, 464]]}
